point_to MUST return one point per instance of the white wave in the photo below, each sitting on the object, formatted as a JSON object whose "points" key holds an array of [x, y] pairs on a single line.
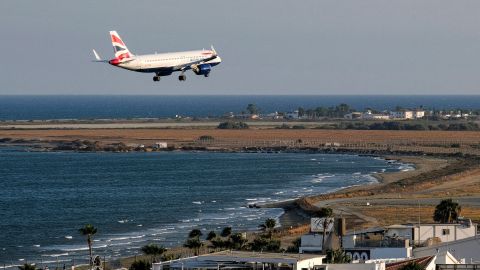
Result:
{"points": [[56, 255], [36, 246], [68, 237], [313, 159], [197, 202], [214, 201], [254, 199], [357, 173], [139, 225], [122, 221], [278, 193]]}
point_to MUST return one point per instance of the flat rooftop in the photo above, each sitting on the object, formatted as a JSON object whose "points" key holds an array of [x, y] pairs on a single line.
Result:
{"points": [[249, 256]]}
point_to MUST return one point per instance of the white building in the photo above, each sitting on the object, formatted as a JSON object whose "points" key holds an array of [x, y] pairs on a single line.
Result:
{"points": [[292, 115], [466, 250], [421, 234], [160, 145], [353, 115], [417, 114], [368, 115], [404, 114]]}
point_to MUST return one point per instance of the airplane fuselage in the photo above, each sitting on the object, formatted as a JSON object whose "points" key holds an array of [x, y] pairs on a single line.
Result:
{"points": [[150, 63]]}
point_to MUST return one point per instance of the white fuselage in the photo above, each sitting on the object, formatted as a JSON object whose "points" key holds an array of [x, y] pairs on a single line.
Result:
{"points": [[169, 62]]}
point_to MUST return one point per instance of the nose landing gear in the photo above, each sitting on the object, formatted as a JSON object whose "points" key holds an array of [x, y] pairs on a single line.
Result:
{"points": [[182, 77], [156, 78]]}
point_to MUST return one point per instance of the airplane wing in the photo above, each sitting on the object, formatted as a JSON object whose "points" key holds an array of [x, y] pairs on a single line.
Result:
{"points": [[188, 65]]}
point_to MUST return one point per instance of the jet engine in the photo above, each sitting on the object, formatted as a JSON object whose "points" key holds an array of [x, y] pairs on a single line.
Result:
{"points": [[202, 69]]}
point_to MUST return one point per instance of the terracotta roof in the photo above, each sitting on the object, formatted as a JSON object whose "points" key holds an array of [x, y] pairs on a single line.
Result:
{"points": [[423, 261]]}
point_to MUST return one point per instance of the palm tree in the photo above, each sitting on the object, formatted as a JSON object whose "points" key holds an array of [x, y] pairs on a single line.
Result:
{"points": [[27, 266], [88, 230], [326, 215], [447, 211], [195, 244], [268, 226], [195, 233], [338, 256], [237, 241], [193, 241], [211, 235], [226, 232], [153, 250]]}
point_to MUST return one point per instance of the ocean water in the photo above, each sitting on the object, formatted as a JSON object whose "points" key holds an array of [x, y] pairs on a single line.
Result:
{"points": [[137, 198], [90, 107]]}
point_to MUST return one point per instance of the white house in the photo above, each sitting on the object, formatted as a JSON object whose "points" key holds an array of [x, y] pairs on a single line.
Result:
{"points": [[403, 114], [420, 234], [467, 249]]}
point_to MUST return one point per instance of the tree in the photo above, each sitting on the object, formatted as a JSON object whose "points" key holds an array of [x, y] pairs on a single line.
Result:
{"points": [[252, 108], [195, 244], [232, 125], [26, 266], [447, 211], [195, 233], [140, 265], [89, 231], [211, 235], [337, 256], [153, 250], [227, 231], [295, 247], [326, 214], [268, 226], [301, 111], [265, 244], [237, 241]]}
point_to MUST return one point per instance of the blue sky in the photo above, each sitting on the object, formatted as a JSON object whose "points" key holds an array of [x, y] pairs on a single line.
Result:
{"points": [[268, 47]]}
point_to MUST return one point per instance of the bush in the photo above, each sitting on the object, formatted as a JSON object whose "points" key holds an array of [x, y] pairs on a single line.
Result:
{"points": [[284, 126], [206, 138], [140, 265], [298, 127], [232, 125]]}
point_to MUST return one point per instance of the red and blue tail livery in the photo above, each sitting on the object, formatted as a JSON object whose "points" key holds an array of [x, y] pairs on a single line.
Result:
{"points": [[200, 62]]}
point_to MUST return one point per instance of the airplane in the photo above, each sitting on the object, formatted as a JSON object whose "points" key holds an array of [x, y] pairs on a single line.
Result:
{"points": [[162, 64]]}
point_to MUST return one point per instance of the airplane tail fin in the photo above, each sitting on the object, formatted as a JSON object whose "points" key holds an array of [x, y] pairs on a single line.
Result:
{"points": [[119, 47]]}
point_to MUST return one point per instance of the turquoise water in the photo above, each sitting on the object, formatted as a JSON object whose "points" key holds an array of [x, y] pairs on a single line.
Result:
{"points": [[137, 198]]}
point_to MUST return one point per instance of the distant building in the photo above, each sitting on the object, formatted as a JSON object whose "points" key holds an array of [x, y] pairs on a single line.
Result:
{"points": [[292, 115], [353, 115], [160, 145], [402, 114], [407, 114], [368, 115]]}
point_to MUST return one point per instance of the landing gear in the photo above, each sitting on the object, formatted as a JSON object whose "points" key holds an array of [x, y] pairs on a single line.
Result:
{"points": [[156, 78], [182, 77], [206, 75]]}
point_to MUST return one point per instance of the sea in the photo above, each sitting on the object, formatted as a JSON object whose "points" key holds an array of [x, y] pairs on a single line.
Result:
{"points": [[127, 107], [139, 198]]}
